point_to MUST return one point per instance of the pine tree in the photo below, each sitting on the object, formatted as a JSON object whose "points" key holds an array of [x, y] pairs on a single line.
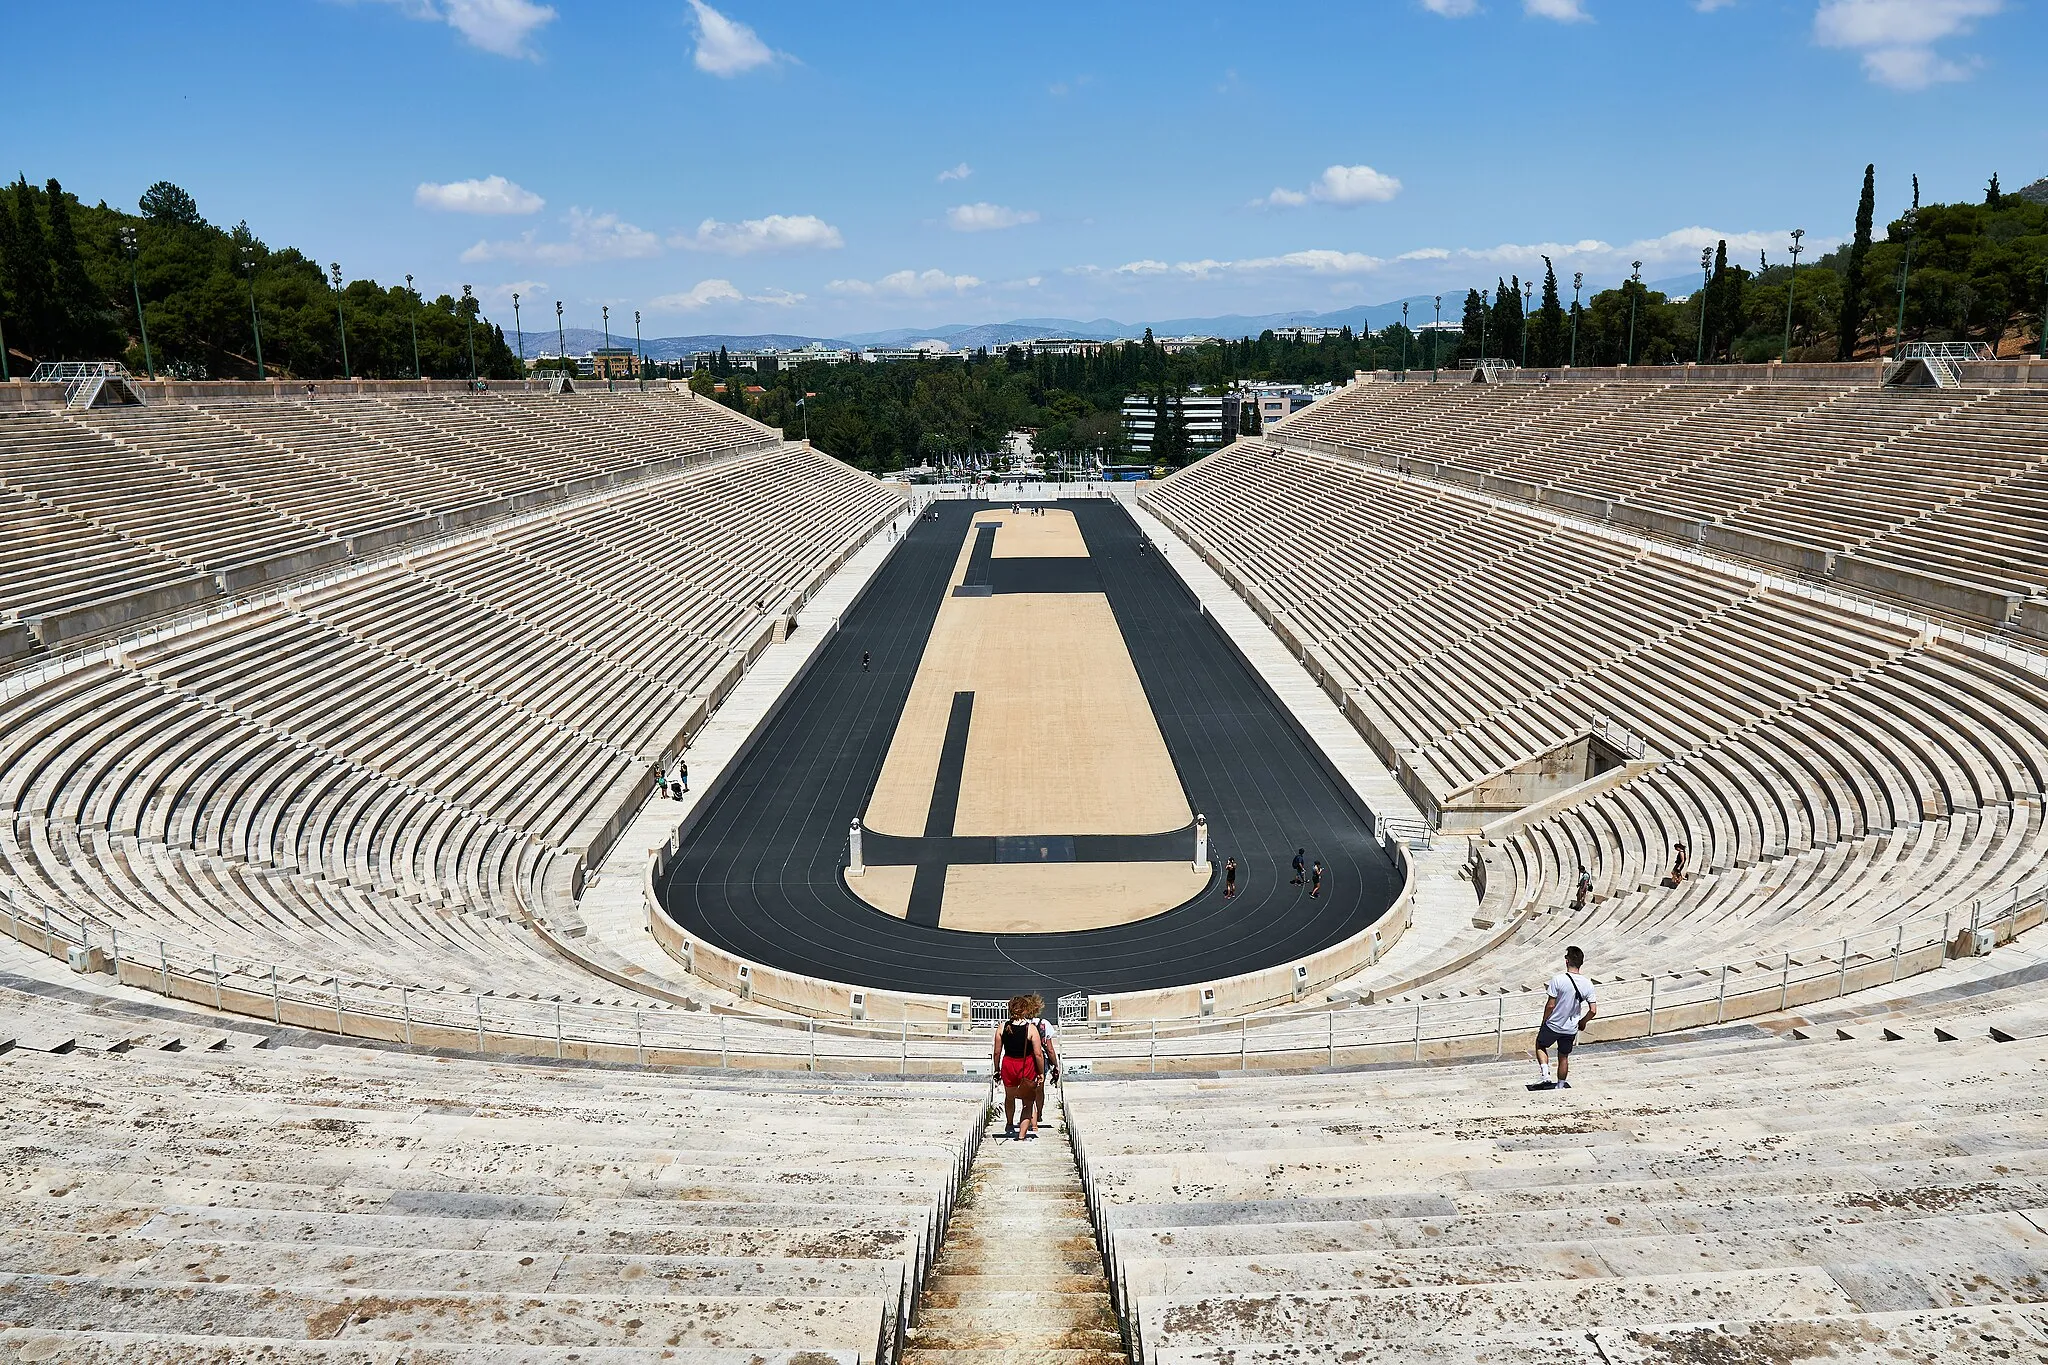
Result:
{"points": [[1475, 318], [1993, 198], [1851, 323], [1719, 315]]}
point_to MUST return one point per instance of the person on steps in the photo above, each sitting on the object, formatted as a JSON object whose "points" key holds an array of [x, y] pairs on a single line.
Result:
{"points": [[1677, 864], [1048, 1037], [1584, 891], [1567, 1007], [1020, 1060]]}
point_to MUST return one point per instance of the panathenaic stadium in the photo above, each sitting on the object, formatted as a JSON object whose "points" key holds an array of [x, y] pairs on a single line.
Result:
{"points": [[365, 999]]}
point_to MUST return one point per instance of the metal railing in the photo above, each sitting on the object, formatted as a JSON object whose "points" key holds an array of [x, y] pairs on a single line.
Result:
{"points": [[485, 1021]]}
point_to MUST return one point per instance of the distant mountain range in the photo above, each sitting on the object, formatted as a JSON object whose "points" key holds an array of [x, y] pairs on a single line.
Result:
{"points": [[963, 336]]}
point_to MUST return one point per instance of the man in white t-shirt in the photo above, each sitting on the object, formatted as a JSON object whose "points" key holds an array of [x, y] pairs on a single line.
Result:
{"points": [[1567, 1007]]}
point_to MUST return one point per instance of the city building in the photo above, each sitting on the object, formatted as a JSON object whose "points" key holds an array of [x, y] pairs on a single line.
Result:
{"points": [[891, 355], [609, 362], [1210, 421], [1306, 334]]}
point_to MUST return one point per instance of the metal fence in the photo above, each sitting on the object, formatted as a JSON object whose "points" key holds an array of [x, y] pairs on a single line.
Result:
{"points": [[659, 1034]]}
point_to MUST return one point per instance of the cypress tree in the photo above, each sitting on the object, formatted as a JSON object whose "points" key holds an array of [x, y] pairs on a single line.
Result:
{"points": [[29, 277], [1851, 323], [1993, 198], [81, 311], [1546, 331]]}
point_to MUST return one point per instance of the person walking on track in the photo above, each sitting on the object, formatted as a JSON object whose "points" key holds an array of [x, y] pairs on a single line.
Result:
{"points": [[1229, 878], [1300, 855], [863, 661], [1567, 1007], [1315, 878], [1020, 1060]]}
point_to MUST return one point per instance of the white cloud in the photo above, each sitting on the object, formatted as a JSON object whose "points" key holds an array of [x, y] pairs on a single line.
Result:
{"points": [[497, 26], [1563, 11], [987, 217], [1896, 37], [706, 293], [776, 232], [1451, 9], [492, 194], [592, 237], [1709, 6], [727, 47], [1340, 185], [959, 172], [527, 290], [907, 284]]}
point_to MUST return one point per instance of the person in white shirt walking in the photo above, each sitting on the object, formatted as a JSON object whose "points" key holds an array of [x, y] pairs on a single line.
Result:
{"points": [[1567, 1007]]}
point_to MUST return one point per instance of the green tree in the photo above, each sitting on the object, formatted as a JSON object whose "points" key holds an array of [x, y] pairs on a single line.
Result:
{"points": [[1850, 326], [1547, 340]]}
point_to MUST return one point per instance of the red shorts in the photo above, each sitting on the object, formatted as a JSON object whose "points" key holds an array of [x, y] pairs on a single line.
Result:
{"points": [[1019, 1070]]}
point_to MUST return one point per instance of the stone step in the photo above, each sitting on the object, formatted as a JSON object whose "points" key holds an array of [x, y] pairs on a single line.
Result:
{"points": [[767, 1323], [1022, 1356], [1396, 1316], [30, 1345]]}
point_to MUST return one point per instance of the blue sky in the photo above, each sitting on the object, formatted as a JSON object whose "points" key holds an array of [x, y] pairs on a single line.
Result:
{"points": [[838, 168]]}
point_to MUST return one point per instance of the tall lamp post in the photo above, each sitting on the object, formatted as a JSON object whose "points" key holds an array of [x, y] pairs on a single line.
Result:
{"points": [[1528, 292], [1635, 276], [135, 283], [1435, 332], [255, 321], [413, 317], [469, 311], [341, 319], [1791, 285], [1578, 282], [561, 346], [1706, 278], [1404, 342], [520, 333], [607, 311], [1905, 273], [639, 356]]}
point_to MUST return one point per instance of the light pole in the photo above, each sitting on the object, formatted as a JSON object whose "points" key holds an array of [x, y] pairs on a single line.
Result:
{"points": [[1485, 309], [1434, 333], [414, 318], [1578, 282], [607, 311], [1706, 278], [341, 319], [561, 346], [1905, 273], [135, 283], [1791, 284], [639, 356], [1528, 291], [255, 322], [1404, 342], [518, 332], [469, 311], [1635, 275]]}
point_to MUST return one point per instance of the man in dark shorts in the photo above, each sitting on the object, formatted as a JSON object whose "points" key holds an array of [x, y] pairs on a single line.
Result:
{"points": [[1567, 1007], [1315, 878], [863, 661], [1299, 864], [1584, 891]]}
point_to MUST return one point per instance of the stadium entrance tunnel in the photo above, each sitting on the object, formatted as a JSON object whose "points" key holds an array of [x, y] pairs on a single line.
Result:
{"points": [[1025, 712]]}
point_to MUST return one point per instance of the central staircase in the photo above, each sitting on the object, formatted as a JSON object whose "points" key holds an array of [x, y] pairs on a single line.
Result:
{"points": [[1019, 1278]]}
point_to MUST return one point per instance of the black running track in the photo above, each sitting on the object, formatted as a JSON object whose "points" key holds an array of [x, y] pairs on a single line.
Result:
{"points": [[760, 872]]}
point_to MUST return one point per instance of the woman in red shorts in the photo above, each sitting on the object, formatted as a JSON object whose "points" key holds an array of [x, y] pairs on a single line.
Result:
{"points": [[1019, 1058]]}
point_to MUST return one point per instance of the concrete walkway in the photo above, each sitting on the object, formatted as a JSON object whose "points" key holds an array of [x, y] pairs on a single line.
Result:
{"points": [[1444, 900], [1019, 1278], [613, 907]]}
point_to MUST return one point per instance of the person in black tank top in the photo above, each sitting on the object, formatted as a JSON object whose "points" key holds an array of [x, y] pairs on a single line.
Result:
{"points": [[1019, 1058]]}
